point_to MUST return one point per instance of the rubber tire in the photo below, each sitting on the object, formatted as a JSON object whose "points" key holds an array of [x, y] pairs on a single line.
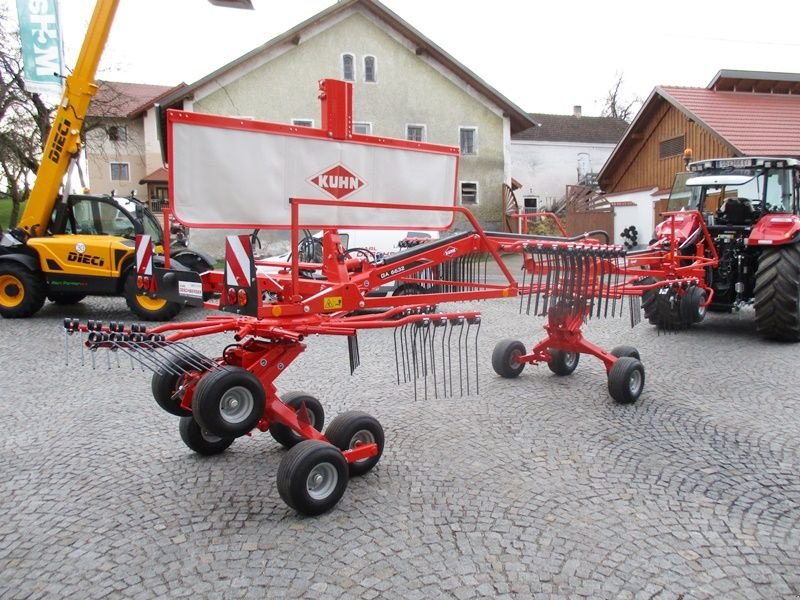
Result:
{"points": [[777, 294], [620, 351], [166, 311], [65, 298], [285, 435], [211, 390], [349, 429], [504, 356], [690, 309], [32, 286], [295, 469], [163, 385], [201, 441], [620, 380], [559, 362]]}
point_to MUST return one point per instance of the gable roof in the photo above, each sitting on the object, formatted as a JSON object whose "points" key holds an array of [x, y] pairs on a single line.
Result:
{"points": [[124, 100], [571, 128], [520, 120], [748, 122]]}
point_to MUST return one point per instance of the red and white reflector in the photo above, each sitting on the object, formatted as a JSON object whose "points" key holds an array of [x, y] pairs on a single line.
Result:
{"points": [[144, 255], [239, 265]]}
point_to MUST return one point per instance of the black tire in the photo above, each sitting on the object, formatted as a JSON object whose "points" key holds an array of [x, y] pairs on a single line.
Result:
{"points": [[619, 351], [285, 435], [777, 294], [165, 383], [22, 292], [563, 362], [504, 358], [663, 310], [353, 428], [65, 298], [691, 308], [228, 402], [312, 477], [626, 380], [144, 307], [199, 440]]}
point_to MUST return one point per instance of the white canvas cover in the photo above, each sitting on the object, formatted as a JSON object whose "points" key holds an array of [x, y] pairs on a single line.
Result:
{"points": [[243, 177]]}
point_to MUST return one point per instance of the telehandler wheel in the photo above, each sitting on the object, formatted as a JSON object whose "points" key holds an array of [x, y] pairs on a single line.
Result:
{"points": [[312, 477], [777, 294], [165, 384], [619, 351], [200, 440], [626, 380], [145, 307], [22, 292], [228, 402], [563, 362], [65, 298], [352, 429], [286, 436], [504, 358]]}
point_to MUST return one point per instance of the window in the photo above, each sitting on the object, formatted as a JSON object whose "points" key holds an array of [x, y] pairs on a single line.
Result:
{"points": [[415, 133], [118, 133], [469, 192], [303, 122], [119, 172], [362, 127], [672, 147], [468, 140], [369, 69], [348, 67]]}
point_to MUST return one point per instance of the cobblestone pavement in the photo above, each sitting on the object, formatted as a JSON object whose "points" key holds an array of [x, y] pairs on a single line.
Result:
{"points": [[539, 486]]}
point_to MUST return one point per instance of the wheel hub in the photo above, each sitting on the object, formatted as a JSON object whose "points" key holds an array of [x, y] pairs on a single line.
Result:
{"points": [[321, 481], [236, 404]]}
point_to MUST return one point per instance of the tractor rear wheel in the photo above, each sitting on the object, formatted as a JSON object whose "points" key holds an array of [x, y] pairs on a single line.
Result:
{"points": [[777, 294], [22, 292]]}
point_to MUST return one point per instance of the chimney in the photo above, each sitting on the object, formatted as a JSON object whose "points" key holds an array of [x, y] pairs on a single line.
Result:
{"points": [[576, 110]]}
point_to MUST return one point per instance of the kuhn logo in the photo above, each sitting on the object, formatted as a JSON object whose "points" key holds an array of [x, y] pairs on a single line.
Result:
{"points": [[338, 182], [450, 251]]}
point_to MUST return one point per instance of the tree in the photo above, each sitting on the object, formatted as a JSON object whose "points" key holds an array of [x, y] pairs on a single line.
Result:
{"points": [[616, 106]]}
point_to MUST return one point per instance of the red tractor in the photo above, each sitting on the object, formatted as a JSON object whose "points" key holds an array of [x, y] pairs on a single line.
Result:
{"points": [[742, 215]]}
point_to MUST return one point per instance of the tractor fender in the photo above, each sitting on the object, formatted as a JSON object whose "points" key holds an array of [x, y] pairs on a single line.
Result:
{"points": [[775, 230], [26, 260]]}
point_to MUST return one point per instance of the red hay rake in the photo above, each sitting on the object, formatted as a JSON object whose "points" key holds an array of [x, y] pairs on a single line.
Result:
{"points": [[269, 313]]}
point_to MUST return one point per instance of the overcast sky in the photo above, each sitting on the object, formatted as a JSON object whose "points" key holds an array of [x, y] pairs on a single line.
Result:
{"points": [[543, 56]]}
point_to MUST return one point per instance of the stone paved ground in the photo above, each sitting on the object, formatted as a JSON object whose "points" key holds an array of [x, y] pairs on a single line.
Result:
{"points": [[535, 487]]}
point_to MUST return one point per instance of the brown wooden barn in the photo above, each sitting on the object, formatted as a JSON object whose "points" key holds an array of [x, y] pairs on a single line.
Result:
{"points": [[740, 113]]}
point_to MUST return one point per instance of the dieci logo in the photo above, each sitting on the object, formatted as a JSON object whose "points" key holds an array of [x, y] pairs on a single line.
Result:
{"points": [[338, 182]]}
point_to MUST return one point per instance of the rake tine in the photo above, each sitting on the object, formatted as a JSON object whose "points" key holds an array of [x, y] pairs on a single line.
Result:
{"points": [[443, 321], [396, 358], [450, 356], [432, 349], [460, 321]]}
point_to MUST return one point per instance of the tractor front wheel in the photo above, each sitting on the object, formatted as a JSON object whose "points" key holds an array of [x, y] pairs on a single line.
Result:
{"points": [[22, 292], [777, 294]]}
